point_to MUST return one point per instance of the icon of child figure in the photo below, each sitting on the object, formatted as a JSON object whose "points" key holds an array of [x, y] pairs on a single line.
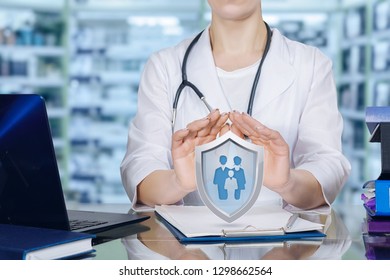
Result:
{"points": [[229, 178]]}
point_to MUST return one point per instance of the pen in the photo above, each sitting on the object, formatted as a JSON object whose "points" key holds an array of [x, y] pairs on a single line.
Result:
{"points": [[291, 221]]}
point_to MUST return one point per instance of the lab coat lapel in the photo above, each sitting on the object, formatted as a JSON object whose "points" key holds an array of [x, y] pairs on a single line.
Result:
{"points": [[277, 75], [201, 71]]}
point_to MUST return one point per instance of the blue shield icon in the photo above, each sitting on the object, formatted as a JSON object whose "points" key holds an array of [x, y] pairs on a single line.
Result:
{"points": [[229, 174]]}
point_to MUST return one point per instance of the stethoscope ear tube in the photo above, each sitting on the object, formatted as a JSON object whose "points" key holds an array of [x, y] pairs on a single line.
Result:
{"points": [[175, 102], [187, 53], [178, 93], [257, 76], [184, 82]]}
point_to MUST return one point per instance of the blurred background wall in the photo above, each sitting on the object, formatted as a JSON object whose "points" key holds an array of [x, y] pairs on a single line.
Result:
{"points": [[85, 57]]}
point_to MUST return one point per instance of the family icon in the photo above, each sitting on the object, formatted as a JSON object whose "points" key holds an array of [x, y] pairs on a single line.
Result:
{"points": [[229, 178]]}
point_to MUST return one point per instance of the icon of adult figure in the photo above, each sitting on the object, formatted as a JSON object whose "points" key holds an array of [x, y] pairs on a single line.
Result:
{"points": [[220, 176], [239, 174]]}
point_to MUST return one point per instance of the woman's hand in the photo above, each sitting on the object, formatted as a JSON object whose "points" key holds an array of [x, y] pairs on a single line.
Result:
{"points": [[184, 142], [276, 150]]}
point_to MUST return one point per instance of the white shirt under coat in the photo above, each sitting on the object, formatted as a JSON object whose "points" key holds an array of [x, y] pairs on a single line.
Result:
{"points": [[296, 96]]}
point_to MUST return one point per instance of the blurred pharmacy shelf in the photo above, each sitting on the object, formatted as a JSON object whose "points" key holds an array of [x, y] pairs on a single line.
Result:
{"points": [[31, 61], [364, 80], [109, 44]]}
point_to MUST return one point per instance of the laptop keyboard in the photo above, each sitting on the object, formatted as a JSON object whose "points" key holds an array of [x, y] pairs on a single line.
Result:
{"points": [[80, 224]]}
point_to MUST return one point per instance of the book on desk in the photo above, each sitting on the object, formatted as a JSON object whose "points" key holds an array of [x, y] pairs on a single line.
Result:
{"points": [[375, 199], [197, 224], [376, 193], [31, 243]]}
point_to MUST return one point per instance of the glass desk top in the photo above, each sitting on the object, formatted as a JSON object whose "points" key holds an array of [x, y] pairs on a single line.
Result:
{"points": [[150, 240]]}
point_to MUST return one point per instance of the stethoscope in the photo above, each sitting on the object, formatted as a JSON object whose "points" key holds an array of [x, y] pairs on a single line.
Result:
{"points": [[185, 82]]}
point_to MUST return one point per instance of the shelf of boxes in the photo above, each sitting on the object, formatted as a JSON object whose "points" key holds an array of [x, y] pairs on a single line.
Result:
{"points": [[352, 84], [380, 86], [379, 67], [308, 28], [364, 81], [31, 61], [108, 49]]}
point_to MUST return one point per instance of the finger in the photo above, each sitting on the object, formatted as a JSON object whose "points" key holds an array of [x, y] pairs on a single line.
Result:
{"points": [[214, 118], [257, 128], [178, 137], [210, 133], [254, 129], [195, 126], [271, 139], [240, 124], [250, 120], [266, 133], [236, 131], [253, 126], [219, 124], [225, 128], [257, 132], [232, 115]]}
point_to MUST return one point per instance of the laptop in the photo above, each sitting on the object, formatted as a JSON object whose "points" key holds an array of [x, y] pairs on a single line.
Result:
{"points": [[31, 193]]}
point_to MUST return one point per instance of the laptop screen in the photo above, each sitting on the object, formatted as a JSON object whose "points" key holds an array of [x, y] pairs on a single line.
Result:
{"points": [[30, 187]]}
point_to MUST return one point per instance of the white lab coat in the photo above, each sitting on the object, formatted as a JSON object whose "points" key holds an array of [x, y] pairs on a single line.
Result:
{"points": [[296, 96]]}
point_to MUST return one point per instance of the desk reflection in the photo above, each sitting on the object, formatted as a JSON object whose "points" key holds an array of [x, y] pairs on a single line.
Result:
{"points": [[159, 243]]}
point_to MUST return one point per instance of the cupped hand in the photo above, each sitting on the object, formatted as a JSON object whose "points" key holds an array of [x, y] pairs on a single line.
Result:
{"points": [[276, 150], [184, 141]]}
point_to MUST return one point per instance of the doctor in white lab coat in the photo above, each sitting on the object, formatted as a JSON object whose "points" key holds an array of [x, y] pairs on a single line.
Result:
{"points": [[295, 115]]}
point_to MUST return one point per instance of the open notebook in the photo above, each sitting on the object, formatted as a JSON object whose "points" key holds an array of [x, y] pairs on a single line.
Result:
{"points": [[262, 223]]}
